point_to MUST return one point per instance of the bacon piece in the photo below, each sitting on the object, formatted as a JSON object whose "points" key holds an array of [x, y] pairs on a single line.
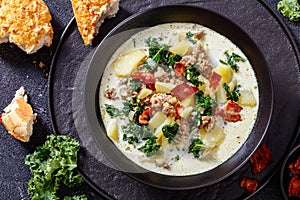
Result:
{"points": [[184, 90], [144, 117], [295, 167], [294, 187], [260, 159], [214, 80], [145, 77], [249, 184], [230, 112], [179, 69]]}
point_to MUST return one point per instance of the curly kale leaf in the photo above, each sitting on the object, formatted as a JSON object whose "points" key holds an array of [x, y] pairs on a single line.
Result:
{"points": [[289, 9], [52, 164]]}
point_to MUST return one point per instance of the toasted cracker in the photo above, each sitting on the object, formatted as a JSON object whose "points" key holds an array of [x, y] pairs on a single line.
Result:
{"points": [[25, 23], [90, 14]]}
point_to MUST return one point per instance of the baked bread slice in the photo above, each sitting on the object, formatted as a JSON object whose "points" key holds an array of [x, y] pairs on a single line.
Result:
{"points": [[25, 23], [90, 14], [18, 118]]}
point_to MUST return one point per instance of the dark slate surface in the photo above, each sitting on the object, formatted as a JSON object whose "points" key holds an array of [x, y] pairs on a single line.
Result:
{"points": [[19, 69]]}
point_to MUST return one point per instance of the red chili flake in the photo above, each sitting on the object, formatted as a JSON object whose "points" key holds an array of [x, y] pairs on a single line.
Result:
{"points": [[0, 118], [249, 184], [294, 187], [184, 90], [144, 117], [214, 80], [179, 69], [260, 159], [295, 167]]}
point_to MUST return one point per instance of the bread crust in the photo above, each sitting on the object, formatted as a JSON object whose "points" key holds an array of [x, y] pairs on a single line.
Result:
{"points": [[25, 23], [90, 14]]}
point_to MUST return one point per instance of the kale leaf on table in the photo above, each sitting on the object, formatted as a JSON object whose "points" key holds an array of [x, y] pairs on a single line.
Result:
{"points": [[51, 165], [289, 9]]}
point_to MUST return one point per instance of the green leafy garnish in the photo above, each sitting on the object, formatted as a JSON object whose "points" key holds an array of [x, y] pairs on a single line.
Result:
{"points": [[131, 139], [112, 111], [157, 52], [151, 147], [128, 106], [190, 37], [232, 59], [196, 147], [53, 164], [191, 74], [135, 85], [205, 102], [170, 131], [140, 132], [76, 197], [150, 67], [289, 9], [234, 95], [173, 58]]}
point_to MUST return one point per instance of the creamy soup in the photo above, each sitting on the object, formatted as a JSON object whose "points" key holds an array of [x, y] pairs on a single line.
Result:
{"points": [[178, 99]]}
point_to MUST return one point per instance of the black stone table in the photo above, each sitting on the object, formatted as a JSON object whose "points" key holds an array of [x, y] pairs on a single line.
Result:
{"points": [[18, 69]]}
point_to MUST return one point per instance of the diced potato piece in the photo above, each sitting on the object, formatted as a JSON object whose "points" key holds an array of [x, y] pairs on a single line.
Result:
{"points": [[214, 138], [181, 48], [158, 131], [221, 95], [157, 120], [164, 87], [247, 98], [232, 84], [144, 93], [126, 63], [113, 132], [189, 101], [226, 73], [186, 112], [162, 140]]}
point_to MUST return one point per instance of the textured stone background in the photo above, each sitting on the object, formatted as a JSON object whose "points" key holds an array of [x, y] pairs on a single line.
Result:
{"points": [[18, 69]]}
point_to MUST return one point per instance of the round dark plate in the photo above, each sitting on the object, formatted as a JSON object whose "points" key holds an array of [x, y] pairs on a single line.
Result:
{"points": [[262, 24], [168, 14], [286, 174]]}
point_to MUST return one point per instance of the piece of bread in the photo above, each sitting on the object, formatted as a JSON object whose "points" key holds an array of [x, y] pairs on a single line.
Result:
{"points": [[90, 14], [25, 23], [18, 117]]}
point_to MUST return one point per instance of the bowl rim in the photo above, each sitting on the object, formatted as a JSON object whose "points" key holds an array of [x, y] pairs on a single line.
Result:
{"points": [[134, 175]]}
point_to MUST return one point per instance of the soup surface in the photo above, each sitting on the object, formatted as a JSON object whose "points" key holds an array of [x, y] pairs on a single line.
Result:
{"points": [[178, 99]]}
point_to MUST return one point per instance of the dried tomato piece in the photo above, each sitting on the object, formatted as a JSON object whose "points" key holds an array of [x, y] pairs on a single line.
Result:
{"points": [[178, 109], [260, 159], [249, 184], [144, 117], [214, 80], [179, 69], [145, 77], [184, 90], [295, 167], [294, 187]]}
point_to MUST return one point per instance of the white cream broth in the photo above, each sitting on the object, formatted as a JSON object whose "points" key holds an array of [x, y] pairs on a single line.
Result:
{"points": [[221, 140]]}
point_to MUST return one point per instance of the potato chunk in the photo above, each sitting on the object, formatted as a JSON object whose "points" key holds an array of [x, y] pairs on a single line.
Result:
{"points": [[189, 101], [181, 48], [126, 63], [144, 93], [164, 87], [113, 131], [157, 120], [226, 73], [247, 98]]}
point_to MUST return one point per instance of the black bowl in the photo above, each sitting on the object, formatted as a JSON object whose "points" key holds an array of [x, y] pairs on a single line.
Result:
{"points": [[169, 14], [286, 174]]}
